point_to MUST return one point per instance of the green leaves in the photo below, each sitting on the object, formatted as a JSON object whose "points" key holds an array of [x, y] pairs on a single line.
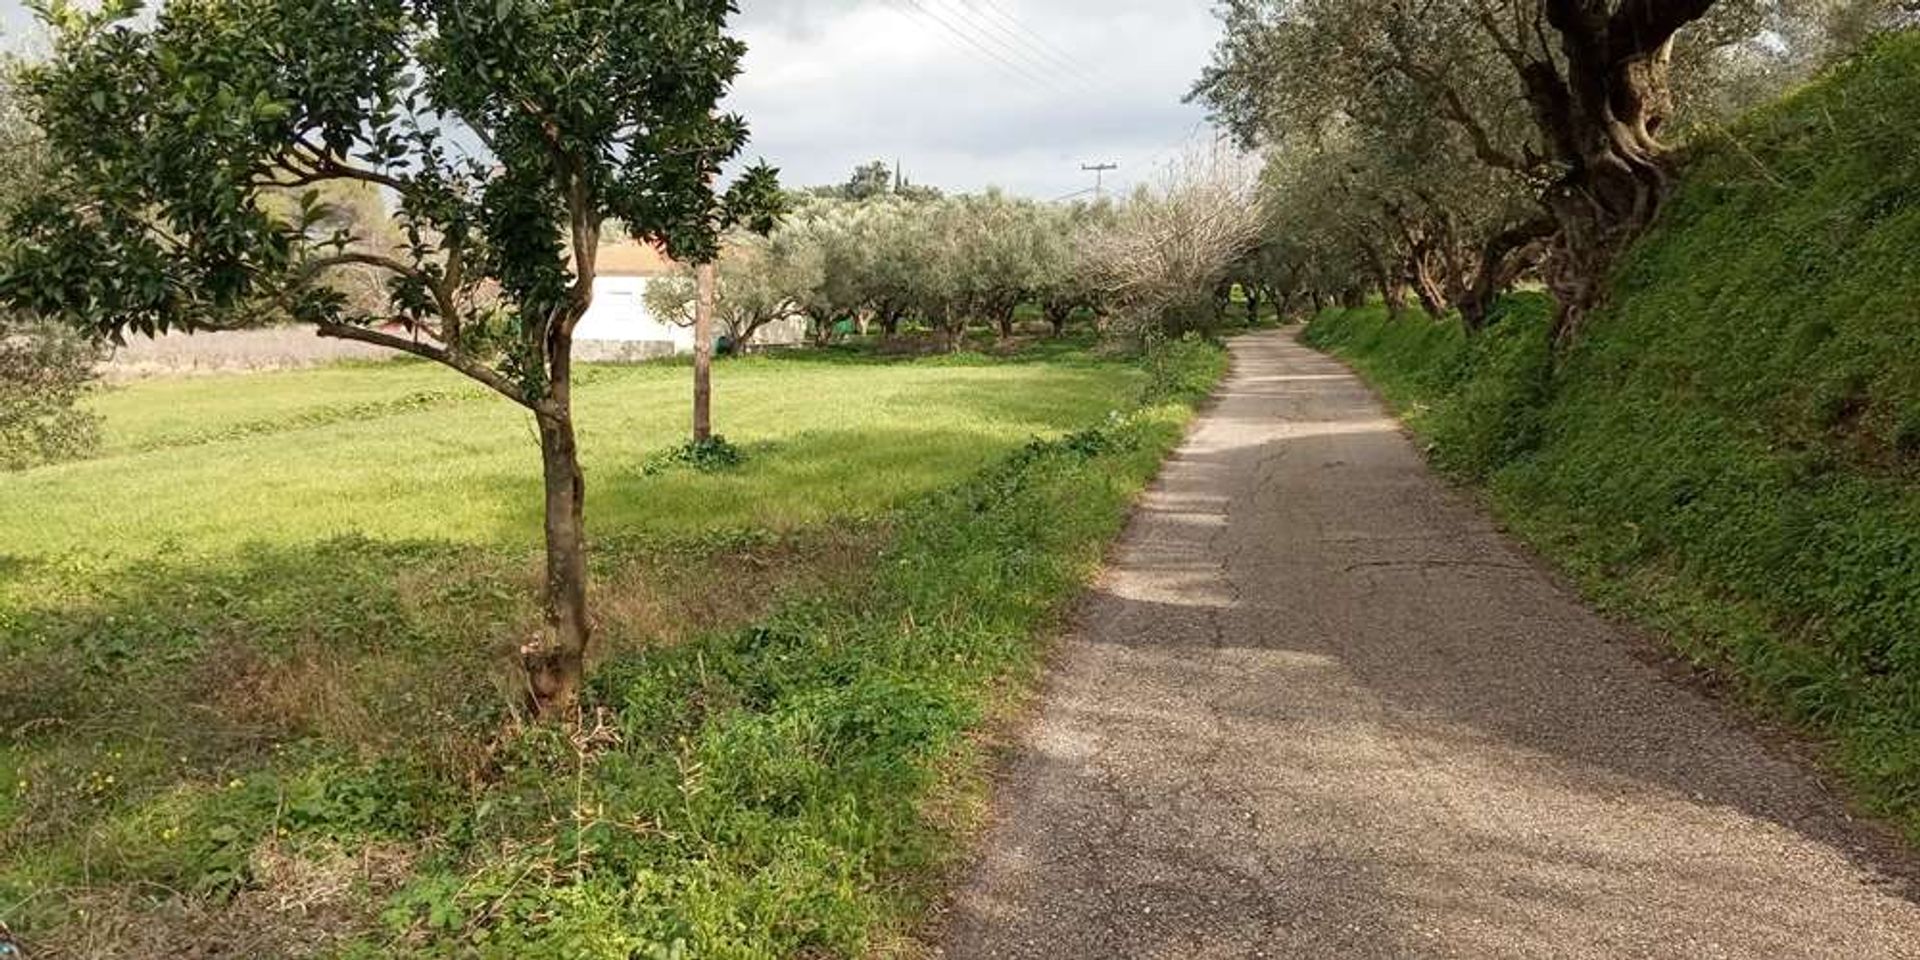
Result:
{"points": [[499, 133]]}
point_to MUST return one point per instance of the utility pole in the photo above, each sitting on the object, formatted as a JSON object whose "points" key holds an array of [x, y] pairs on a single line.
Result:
{"points": [[703, 353], [1099, 171]]}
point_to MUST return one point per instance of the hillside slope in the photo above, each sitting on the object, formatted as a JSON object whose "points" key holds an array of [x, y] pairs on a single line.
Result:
{"points": [[1731, 452]]}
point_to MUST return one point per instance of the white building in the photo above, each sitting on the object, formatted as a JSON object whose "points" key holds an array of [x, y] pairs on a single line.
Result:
{"points": [[618, 326]]}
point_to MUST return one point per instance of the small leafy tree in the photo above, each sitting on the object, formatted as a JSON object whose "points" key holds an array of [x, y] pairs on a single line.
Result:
{"points": [[44, 371], [758, 277], [509, 133]]}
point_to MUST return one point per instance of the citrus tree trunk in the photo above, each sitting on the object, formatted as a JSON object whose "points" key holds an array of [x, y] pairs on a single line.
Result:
{"points": [[556, 665]]}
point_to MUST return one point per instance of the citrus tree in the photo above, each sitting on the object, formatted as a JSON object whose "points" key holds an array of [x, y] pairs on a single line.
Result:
{"points": [[507, 134]]}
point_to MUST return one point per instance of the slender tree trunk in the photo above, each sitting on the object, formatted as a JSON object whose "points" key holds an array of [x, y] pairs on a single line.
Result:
{"points": [[703, 354], [1426, 287], [556, 665], [1005, 320]]}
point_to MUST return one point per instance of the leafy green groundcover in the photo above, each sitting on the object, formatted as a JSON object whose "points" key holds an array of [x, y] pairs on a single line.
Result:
{"points": [[766, 793], [1729, 453], [784, 790]]}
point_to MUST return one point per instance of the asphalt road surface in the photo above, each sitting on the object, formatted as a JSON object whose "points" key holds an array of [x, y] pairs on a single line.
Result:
{"points": [[1319, 707]]}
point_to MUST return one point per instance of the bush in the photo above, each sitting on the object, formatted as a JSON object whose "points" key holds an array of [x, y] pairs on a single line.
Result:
{"points": [[44, 371], [711, 455]]}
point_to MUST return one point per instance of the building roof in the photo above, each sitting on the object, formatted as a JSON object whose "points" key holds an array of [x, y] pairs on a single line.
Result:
{"points": [[629, 258]]}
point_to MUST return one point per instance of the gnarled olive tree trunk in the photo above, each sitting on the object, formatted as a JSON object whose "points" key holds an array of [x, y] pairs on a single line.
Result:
{"points": [[1502, 259], [1602, 120]]}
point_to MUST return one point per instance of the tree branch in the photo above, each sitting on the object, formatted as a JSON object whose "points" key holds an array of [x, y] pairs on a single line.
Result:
{"points": [[378, 338]]}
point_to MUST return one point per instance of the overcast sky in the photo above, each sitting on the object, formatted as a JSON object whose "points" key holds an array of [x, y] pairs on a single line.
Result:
{"points": [[963, 93]]}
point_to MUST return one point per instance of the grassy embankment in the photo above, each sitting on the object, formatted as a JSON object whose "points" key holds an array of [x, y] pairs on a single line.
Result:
{"points": [[254, 654], [1731, 452]]}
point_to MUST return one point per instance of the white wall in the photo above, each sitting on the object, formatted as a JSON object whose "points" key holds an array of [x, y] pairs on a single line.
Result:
{"points": [[619, 315]]}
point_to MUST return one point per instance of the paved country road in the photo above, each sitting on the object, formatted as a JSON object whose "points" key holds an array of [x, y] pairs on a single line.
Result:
{"points": [[1319, 707]]}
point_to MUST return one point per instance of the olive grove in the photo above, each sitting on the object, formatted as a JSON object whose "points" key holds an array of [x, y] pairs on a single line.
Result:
{"points": [[881, 263], [1446, 148]]}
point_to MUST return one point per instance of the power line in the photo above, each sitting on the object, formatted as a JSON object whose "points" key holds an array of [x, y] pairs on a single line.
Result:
{"points": [[1018, 46], [968, 38], [1038, 41]]}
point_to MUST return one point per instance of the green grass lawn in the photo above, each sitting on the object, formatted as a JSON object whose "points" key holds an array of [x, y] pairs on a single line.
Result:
{"points": [[258, 653], [409, 450]]}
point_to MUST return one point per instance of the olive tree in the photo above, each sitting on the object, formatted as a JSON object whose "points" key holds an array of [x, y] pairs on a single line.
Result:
{"points": [[1064, 282], [829, 230], [891, 248], [998, 239], [937, 277], [508, 134], [1570, 97], [758, 280]]}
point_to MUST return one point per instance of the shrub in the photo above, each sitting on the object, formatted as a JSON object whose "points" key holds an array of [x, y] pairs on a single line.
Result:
{"points": [[44, 371], [711, 455]]}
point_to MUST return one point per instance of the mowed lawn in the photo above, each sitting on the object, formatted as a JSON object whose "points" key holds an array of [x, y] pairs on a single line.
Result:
{"points": [[408, 450], [284, 605]]}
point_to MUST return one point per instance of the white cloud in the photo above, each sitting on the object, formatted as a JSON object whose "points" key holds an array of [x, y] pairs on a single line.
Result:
{"points": [[1041, 87]]}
